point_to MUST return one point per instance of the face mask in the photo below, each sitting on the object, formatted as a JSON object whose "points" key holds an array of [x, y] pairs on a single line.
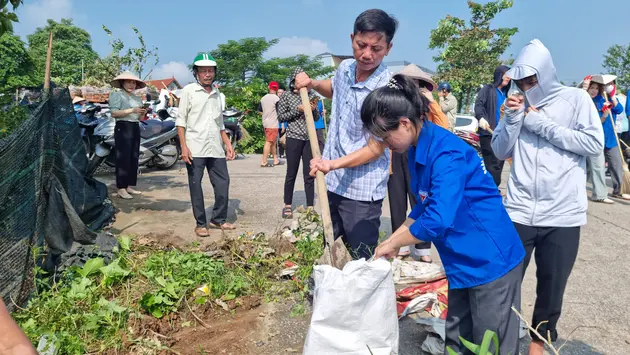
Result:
{"points": [[534, 95]]}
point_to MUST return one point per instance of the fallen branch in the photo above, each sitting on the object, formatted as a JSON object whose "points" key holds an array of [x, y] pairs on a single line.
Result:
{"points": [[194, 315], [535, 331]]}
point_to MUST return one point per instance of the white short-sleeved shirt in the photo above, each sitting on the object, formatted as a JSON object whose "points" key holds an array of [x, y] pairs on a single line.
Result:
{"points": [[201, 114]]}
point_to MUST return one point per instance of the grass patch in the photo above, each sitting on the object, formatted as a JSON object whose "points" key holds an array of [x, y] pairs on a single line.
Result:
{"points": [[95, 308]]}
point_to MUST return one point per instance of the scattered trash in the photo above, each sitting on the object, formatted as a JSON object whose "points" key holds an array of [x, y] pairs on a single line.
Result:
{"points": [[289, 269], [222, 305], [438, 300], [47, 346], [203, 291], [413, 272]]}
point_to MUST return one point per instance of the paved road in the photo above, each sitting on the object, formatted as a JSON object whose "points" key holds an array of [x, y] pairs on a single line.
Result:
{"points": [[597, 300]]}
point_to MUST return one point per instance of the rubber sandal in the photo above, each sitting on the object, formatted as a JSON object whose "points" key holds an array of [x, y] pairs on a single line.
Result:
{"points": [[266, 165], [202, 232], [287, 213]]}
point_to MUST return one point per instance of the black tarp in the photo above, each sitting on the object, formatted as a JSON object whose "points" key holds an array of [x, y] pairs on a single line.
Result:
{"points": [[46, 201]]}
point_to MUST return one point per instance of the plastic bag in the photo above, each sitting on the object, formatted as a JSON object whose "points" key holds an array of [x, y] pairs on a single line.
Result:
{"points": [[353, 309]]}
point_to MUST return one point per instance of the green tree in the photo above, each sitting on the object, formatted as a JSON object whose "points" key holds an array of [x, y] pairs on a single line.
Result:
{"points": [[133, 59], [238, 61], [470, 52], [7, 17], [72, 51], [16, 66], [280, 69], [617, 62]]}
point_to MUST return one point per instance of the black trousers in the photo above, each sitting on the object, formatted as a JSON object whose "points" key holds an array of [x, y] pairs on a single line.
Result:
{"points": [[555, 250], [281, 149], [220, 180], [472, 311], [321, 139], [357, 222], [624, 136], [299, 150], [399, 190], [127, 144], [492, 163]]}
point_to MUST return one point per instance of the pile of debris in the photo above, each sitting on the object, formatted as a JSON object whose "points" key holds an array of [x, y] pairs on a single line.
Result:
{"points": [[422, 295]]}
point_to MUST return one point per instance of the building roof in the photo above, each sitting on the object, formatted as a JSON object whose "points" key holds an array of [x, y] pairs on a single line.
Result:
{"points": [[163, 83]]}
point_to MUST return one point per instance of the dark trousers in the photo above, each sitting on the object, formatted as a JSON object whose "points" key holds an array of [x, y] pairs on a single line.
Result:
{"points": [[624, 136], [321, 139], [299, 150], [281, 149], [472, 311], [399, 190], [555, 252], [357, 222], [220, 180], [492, 163], [127, 144]]}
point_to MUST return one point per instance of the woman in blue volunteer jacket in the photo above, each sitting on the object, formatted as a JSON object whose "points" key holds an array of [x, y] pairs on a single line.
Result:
{"points": [[608, 110], [460, 210]]}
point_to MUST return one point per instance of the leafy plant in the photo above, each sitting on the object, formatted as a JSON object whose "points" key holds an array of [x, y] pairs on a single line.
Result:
{"points": [[8, 17], [177, 274], [489, 338]]}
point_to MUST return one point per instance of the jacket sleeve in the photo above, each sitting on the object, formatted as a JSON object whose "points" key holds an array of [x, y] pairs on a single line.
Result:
{"points": [[628, 107], [617, 109], [448, 104], [480, 104], [585, 138], [437, 116], [437, 214], [286, 113], [506, 133]]}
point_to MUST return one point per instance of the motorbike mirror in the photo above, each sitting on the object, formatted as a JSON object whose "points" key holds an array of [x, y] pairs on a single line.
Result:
{"points": [[163, 114]]}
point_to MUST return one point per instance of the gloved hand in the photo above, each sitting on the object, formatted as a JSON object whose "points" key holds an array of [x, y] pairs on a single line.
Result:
{"points": [[483, 124], [611, 90]]}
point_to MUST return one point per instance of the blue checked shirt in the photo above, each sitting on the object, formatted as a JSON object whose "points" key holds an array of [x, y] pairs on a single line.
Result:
{"points": [[346, 135]]}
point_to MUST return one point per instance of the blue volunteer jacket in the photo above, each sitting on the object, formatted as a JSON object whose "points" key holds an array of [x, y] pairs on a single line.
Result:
{"points": [[460, 210], [609, 125]]}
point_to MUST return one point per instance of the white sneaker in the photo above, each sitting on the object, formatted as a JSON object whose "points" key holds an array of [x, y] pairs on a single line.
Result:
{"points": [[605, 200], [122, 193]]}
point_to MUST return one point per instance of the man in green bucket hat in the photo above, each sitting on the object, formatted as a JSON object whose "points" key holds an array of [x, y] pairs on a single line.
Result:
{"points": [[204, 143]]}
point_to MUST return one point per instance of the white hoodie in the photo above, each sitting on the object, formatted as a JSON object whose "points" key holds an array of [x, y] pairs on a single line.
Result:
{"points": [[547, 184]]}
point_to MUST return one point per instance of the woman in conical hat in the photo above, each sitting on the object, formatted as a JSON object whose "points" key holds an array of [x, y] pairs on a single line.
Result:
{"points": [[127, 109]]}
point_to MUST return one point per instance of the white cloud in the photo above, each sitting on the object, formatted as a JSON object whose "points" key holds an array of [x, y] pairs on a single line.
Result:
{"points": [[36, 14], [290, 46], [179, 70]]}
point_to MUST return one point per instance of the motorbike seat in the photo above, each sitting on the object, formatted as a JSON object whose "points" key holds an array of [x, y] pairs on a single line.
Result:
{"points": [[152, 128]]}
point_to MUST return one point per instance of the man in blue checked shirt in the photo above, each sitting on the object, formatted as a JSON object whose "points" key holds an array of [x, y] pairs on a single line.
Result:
{"points": [[357, 167]]}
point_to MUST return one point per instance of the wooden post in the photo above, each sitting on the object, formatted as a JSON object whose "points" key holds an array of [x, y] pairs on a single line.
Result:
{"points": [[48, 62]]}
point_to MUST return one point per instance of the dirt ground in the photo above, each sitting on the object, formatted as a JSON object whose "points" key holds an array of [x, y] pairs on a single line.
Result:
{"points": [[596, 312]]}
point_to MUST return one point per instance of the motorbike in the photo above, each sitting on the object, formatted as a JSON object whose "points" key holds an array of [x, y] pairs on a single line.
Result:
{"points": [[159, 145], [232, 121]]}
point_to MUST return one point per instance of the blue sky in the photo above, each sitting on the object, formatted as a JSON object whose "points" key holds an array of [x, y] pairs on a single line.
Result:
{"points": [[182, 28]]}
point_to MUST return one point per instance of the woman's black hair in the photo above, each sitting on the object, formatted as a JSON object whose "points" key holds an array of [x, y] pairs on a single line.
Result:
{"points": [[376, 20], [384, 107]]}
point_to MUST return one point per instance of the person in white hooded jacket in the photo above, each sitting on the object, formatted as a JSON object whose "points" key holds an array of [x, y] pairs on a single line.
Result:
{"points": [[548, 132]]}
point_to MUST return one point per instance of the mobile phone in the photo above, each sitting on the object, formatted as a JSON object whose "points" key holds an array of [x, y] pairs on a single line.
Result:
{"points": [[514, 90]]}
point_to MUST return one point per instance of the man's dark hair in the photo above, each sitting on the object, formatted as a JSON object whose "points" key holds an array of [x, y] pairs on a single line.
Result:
{"points": [[376, 20]]}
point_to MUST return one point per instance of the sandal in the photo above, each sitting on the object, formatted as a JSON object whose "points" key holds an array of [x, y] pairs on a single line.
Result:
{"points": [[225, 226], [202, 232], [287, 213], [266, 165], [621, 196]]}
